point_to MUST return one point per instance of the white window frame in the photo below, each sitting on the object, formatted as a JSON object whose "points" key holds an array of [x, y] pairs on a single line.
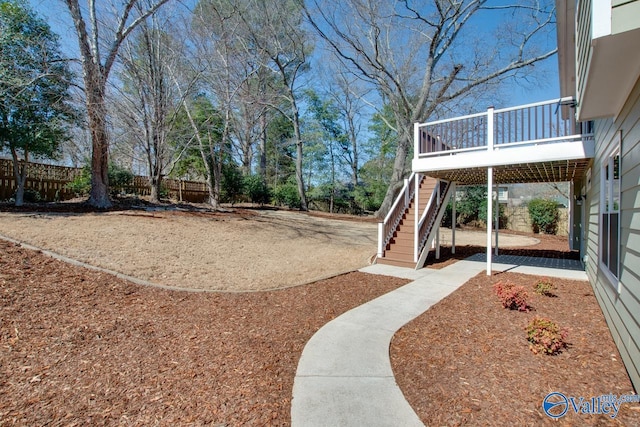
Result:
{"points": [[607, 195]]}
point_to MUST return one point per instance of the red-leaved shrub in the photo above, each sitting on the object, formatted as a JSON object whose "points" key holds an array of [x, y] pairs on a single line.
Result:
{"points": [[513, 297]]}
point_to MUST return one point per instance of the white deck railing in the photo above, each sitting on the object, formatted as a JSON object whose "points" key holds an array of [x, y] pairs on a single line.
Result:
{"points": [[537, 123]]}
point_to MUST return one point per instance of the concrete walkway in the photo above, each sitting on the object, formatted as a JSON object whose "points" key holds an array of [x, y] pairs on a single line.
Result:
{"points": [[344, 376]]}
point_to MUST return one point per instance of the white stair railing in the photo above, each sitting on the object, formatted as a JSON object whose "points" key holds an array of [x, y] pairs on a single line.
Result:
{"points": [[393, 218], [430, 221]]}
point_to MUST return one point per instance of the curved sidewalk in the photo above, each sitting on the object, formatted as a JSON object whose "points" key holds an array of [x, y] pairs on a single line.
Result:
{"points": [[344, 375]]}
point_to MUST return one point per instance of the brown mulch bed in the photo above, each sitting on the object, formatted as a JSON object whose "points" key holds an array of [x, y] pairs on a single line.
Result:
{"points": [[79, 347], [466, 361]]}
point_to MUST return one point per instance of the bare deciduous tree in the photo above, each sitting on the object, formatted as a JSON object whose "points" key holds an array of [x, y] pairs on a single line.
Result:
{"points": [[147, 102], [275, 28], [95, 70], [347, 96], [425, 55]]}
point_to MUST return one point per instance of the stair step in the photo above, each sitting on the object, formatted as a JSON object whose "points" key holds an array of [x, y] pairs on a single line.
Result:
{"points": [[396, 263], [400, 251], [405, 240]]}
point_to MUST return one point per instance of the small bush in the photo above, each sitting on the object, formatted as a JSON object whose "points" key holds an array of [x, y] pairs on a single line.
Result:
{"points": [[544, 216], [545, 336], [513, 297], [502, 217], [369, 197], [81, 184], [544, 287], [287, 194], [119, 179], [232, 184], [30, 196], [257, 189]]}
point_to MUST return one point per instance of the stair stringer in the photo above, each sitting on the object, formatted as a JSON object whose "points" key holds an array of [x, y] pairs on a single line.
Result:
{"points": [[434, 228]]}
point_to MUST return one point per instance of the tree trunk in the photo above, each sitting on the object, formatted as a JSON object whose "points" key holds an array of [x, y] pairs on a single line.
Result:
{"points": [[404, 139], [155, 174], [262, 169], [299, 153], [354, 163], [211, 184], [156, 185], [99, 194], [20, 175], [217, 179]]}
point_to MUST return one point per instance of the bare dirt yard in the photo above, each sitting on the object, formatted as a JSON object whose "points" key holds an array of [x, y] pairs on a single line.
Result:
{"points": [[238, 250], [82, 347]]}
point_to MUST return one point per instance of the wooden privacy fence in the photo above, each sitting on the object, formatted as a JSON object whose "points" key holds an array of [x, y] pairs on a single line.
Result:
{"points": [[187, 191], [50, 182]]}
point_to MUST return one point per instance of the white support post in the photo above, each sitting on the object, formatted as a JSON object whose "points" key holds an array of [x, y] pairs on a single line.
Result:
{"points": [[490, 140], [571, 207], [438, 225], [380, 239], [497, 216], [489, 215], [416, 224], [453, 218]]}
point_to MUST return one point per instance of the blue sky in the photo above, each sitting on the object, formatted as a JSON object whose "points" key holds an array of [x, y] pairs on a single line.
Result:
{"points": [[56, 14]]}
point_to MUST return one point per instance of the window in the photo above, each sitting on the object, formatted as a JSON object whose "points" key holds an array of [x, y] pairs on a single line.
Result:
{"points": [[610, 213]]}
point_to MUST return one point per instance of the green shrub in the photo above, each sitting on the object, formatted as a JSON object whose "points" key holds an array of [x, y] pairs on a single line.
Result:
{"points": [[119, 179], [544, 216], [257, 189], [29, 196], [545, 336], [482, 214], [232, 185], [447, 217], [81, 184], [469, 206], [544, 287], [287, 195], [472, 207], [369, 197]]}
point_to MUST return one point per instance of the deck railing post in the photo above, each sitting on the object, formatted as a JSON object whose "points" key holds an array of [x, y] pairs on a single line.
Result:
{"points": [[406, 192], [380, 239], [416, 140], [490, 128]]}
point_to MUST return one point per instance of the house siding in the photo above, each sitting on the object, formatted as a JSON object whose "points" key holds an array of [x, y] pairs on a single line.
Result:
{"points": [[624, 16], [621, 309]]}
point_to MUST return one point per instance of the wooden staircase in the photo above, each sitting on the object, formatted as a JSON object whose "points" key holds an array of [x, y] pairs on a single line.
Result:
{"points": [[400, 249]]}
